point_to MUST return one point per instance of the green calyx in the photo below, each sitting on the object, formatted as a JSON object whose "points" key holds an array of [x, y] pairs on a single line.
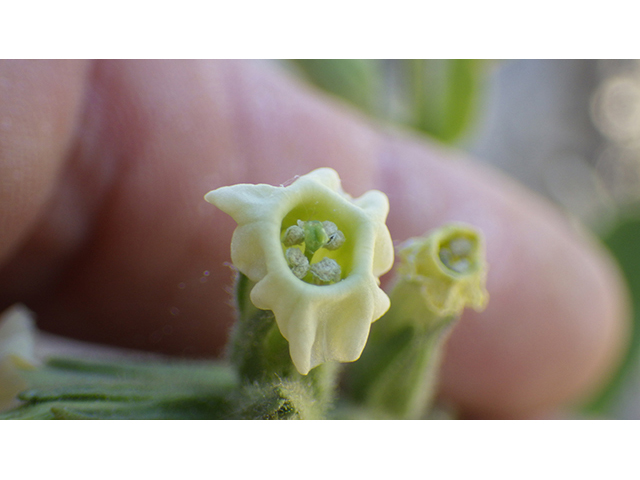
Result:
{"points": [[312, 236], [271, 387]]}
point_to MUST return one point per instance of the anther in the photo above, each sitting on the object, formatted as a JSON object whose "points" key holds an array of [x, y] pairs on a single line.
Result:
{"points": [[454, 254], [461, 266], [294, 235], [298, 263], [335, 241], [460, 247], [327, 270], [329, 227], [446, 256]]}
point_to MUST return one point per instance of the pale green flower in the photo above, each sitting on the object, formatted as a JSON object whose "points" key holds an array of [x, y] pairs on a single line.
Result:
{"points": [[450, 268], [438, 275], [17, 345], [325, 299]]}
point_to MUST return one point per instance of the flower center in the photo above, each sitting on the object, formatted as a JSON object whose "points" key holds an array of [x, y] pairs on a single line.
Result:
{"points": [[313, 235], [456, 254]]}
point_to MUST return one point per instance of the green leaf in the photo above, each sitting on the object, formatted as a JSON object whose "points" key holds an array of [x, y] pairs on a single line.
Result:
{"points": [[71, 388], [623, 240], [444, 94], [356, 81], [436, 97]]}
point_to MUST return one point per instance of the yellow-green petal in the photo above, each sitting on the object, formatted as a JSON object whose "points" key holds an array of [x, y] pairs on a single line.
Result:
{"points": [[445, 290]]}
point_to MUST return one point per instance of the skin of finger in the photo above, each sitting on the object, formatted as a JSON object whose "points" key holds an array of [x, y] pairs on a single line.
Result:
{"points": [[145, 267], [38, 113], [146, 263]]}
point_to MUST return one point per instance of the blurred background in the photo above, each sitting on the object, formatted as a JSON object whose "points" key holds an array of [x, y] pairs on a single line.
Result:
{"points": [[568, 129]]}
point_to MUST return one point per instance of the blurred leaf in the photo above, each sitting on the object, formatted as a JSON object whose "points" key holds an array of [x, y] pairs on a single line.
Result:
{"points": [[623, 241], [357, 81], [437, 97], [70, 388], [444, 95]]}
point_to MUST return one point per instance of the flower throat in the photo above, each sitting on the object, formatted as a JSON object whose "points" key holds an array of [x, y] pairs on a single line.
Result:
{"points": [[313, 235]]}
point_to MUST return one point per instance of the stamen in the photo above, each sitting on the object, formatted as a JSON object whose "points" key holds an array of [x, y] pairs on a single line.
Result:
{"points": [[460, 246], [445, 256], [329, 227], [454, 254], [327, 270], [297, 262], [314, 235], [461, 266], [293, 236], [335, 241]]}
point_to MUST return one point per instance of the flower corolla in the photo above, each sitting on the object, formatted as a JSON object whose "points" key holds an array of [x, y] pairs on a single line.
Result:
{"points": [[315, 255], [449, 266]]}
